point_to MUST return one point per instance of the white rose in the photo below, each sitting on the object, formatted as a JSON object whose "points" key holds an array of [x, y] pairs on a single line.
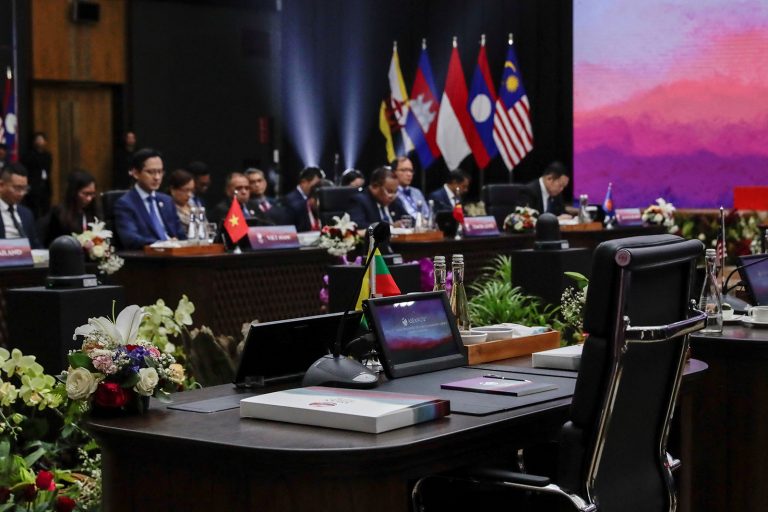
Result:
{"points": [[80, 384], [98, 251], [147, 381]]}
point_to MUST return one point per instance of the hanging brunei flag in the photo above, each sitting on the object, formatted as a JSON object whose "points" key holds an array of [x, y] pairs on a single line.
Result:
{"points": [[378, 282], [394, 112]]}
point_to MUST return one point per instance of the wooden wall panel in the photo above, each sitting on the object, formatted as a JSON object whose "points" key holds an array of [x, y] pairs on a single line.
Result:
{"points": [[78, 52], [78, 121]]}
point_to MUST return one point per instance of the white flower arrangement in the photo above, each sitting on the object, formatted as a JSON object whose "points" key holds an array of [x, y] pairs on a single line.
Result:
{"points": [[522, 219], [341, 237], [661, 214], [96, 242]]}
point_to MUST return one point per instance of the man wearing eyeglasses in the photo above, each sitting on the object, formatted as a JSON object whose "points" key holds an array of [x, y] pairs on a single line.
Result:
{"points": [[143, 215], [18, 221], [237, 187]]}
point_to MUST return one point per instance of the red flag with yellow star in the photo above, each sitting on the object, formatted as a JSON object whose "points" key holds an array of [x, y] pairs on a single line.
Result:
{"points": [[235, 223]]}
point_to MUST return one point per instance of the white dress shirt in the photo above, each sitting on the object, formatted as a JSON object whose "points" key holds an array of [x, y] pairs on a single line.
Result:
{"points": [[10, 227]]}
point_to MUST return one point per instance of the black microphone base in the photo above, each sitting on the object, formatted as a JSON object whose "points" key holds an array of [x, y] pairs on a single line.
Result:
{"points": [[340, 372]]}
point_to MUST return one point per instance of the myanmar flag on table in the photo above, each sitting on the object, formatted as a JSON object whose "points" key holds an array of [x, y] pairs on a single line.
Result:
{"points": [[384, 285]]}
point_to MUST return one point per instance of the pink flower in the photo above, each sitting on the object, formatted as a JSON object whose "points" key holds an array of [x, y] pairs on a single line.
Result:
{"points": [[104, 364], [153, 352]]}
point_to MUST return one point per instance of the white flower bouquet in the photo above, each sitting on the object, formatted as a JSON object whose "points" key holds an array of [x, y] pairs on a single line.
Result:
{"points": [[115, 366], [522, 219], [661, 214], [341, 237], [96, 243]]}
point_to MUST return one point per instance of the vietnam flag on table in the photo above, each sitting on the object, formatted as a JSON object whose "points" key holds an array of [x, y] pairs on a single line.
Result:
{"points": [[383, 284], [235, 223], [458, 213]]}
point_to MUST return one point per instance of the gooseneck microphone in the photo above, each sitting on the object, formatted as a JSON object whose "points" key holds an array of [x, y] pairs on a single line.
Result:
{"points": [[334, 369]]}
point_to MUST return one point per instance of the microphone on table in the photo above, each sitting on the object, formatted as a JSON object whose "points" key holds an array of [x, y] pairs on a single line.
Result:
{"points": [[334, 369]]}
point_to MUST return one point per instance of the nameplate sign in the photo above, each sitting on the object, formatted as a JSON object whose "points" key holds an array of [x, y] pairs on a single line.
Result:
{"points": [[273, 237], [15, 252], [629, 216], [480, 226]]}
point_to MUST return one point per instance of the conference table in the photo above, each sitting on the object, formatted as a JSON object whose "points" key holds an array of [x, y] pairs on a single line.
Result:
{"points": [[730, 421], [171, 459]]}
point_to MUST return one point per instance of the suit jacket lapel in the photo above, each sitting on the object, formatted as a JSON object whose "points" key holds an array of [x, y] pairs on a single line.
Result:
{"points": [[143, 213]]}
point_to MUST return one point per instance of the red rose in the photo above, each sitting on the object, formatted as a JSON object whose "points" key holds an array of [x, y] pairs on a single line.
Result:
{"points": [[110, 394], [44, 481], [130, 348], [64, 504]]}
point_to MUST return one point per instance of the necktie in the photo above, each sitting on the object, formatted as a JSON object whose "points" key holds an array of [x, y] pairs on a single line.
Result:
{"points": [[384, 214], [246, 212], [154, 215], [407, 191], [550, 204], [314, 224], [264, 206], [16, 223]]}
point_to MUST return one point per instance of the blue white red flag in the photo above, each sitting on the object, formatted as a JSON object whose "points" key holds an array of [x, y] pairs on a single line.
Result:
{"points": [[482, 98], [610, 212], [512, 122], [421, 124], [8, 123]]}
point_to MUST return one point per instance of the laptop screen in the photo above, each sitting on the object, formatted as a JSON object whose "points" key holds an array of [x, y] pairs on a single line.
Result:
{"points": [[283, 350], [416, 333], [755, 276]]}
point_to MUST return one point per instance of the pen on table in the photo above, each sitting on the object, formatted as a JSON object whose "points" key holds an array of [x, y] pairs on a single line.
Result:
{"points": [[492, 376]]}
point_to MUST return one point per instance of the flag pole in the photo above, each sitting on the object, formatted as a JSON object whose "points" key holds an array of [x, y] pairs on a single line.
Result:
{"points": [[509, 43], [423, 170], [480, 173], [722, 235]]}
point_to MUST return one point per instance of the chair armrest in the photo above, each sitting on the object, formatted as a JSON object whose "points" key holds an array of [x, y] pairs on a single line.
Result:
{"points": [[494, 475], [673, 463]]}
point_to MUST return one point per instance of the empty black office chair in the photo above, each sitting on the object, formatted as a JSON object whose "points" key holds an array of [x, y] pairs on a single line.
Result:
{"points": [[612, 451], [108, 200], [501, 199], [334, 201]]}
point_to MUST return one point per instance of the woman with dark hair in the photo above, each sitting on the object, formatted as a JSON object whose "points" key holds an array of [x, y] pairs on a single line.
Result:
{"points": [[78, 209], [181, 186], [352, 178]]}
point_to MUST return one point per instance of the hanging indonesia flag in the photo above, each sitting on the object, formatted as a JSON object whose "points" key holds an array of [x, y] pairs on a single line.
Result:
{"points": [[456, 133], [421, 124], [482, 98], [8, 122], [512, 122]]}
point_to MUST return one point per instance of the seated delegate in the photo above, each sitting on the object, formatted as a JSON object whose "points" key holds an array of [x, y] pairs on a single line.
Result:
{"points": [[378, 202], [76, 212], [143, 215]]}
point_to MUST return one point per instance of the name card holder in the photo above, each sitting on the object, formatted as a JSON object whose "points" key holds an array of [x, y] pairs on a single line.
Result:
{"points": [[15, 252], [480, 226], [273, 237], [629, 217]]}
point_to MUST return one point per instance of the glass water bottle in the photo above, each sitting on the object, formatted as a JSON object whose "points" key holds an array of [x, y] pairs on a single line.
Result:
{"points": [[440, 274], [458, 297], [711, 301]]}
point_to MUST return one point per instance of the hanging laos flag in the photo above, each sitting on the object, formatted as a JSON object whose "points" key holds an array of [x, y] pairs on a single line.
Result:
{"points": [[421, 124], [394, 111], [8, 126], [482, 98], [512, 122]]}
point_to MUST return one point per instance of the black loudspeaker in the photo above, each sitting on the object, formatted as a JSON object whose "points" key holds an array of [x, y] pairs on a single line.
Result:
{"points": [[542, 273], [344, 280], [41, 322], [85, 12]]}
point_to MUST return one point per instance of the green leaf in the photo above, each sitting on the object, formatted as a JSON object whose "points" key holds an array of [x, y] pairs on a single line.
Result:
{"points": [[34, 456], [130, 381], [80, 360]]}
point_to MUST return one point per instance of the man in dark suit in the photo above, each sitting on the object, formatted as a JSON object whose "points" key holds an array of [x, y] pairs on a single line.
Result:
{"points": [[202, 182], [143, 215], [295, 202], [546, 193], [378, 202], [456, 187], [237, 187], [17, 220]]}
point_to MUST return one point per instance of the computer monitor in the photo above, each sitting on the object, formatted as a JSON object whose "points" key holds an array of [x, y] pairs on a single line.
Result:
{"points": [[754, 274], [416, 333], [283, 350]]}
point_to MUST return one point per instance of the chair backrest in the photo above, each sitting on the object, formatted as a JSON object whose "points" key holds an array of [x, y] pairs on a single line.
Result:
{"points": [[334, 201], [614, 445], [108, 200], [501, 199]]}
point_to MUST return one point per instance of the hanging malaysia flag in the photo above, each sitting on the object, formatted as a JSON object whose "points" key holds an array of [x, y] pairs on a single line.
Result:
{"points": [[512, 122], [421, 124], [456, 133], [8, 123], [394, 111], [482, 98]]}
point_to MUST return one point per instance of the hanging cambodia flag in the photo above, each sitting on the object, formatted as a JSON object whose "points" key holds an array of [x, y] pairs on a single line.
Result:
{"points": [[421, 124], [512, 122], [482, 98], [234, 222], [394, 111], [8, 122], [456, 133]]}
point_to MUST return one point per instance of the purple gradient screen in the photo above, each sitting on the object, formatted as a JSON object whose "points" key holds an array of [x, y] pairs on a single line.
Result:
{"points": [[416, 330], [670, 100]]}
